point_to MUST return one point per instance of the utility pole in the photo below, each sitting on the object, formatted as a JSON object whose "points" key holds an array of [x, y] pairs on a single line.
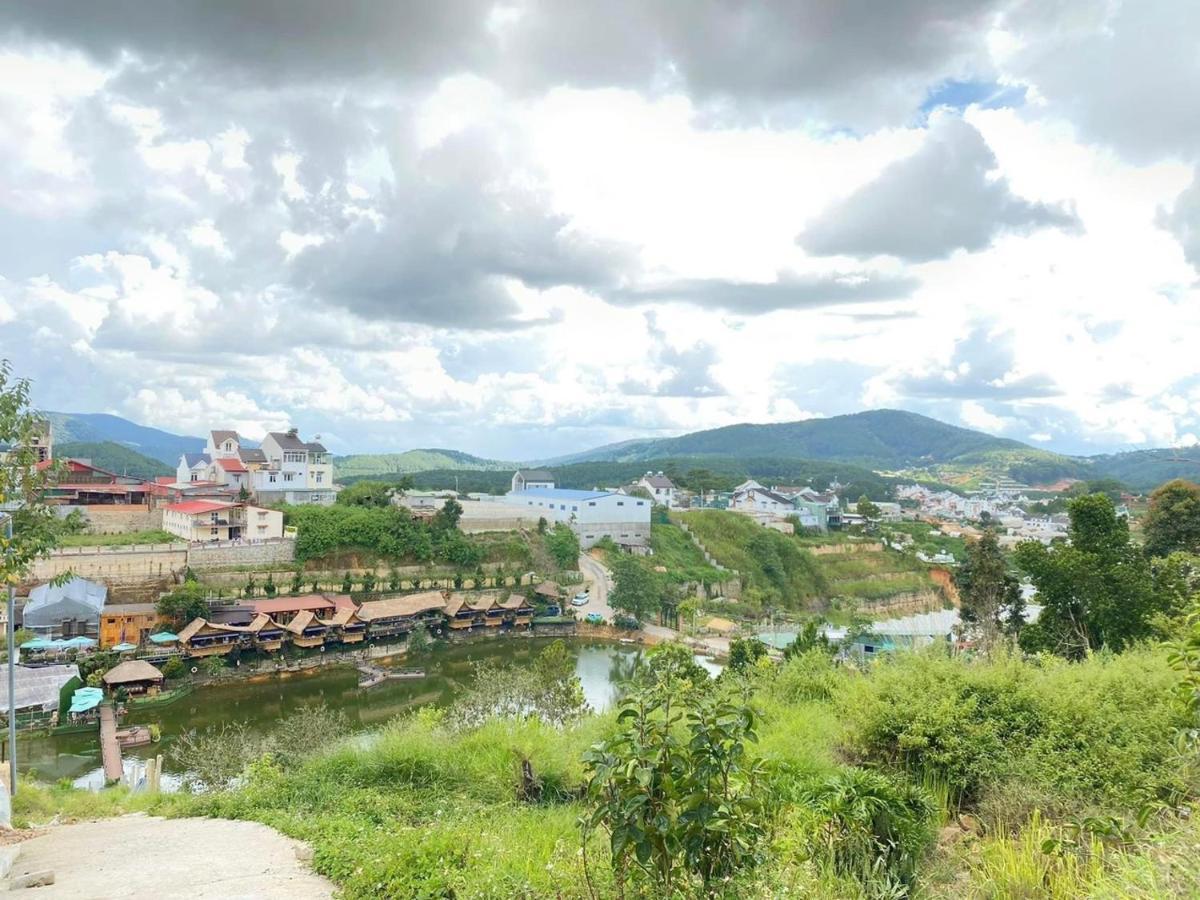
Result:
{"points": [[12, 673]]}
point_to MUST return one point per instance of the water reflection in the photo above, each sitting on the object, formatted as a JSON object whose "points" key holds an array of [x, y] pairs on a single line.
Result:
{"points": [[603, 670]]}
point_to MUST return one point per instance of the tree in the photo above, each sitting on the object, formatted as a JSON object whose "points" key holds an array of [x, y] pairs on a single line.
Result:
{"points": [[377, 494], [1097, 590], [744, 654], [35, 525], [677, 792], [865, 508], [637, 589], [212, 665], [563, 545], [446, 518], [173, 668], [990, 596], [188, 601], [1173, 520]]}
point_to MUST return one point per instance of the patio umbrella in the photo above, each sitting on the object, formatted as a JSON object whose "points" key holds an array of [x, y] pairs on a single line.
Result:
{"points": [[164, 637], [124, 648]]}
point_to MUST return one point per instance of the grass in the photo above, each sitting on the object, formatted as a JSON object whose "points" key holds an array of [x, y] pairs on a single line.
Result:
{"points": [[1017, 746], [683, 560], [118, 540]]}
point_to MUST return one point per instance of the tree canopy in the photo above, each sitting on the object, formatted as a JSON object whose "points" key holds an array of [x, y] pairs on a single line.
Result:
{"points": [[367, 493], [990, 595], [1173, 520], [1096, 591]]}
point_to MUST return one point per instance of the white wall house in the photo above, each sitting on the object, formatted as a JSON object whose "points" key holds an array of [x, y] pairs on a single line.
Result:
{"points": [[530, 479], [661, 488], [212, 520], [294, 471], [592, 515], [759, 499]]}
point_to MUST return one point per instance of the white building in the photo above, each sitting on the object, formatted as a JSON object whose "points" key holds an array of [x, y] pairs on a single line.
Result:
{"points": [[531, 479], [592, 515], [753, 497], [661, 488], [213, 520], [294, 471]]}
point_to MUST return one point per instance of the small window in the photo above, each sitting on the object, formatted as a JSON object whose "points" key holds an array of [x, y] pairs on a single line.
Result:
{"points": [[620, 503], [591, 503], [641, 503]]}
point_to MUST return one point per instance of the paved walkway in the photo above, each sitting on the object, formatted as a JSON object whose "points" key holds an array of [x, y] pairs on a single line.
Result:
{"points": [[110, 749], [141, 857]]}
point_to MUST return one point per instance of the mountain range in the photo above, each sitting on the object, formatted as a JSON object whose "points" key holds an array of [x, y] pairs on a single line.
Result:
{"points": [[884, 440]]}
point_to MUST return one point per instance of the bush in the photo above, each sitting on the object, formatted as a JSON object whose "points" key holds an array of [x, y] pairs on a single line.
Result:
{"points": [[173, 667], [1097, 733]]}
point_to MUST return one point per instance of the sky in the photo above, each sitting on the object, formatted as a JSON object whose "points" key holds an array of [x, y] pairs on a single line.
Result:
{"points": [[526, 228]]}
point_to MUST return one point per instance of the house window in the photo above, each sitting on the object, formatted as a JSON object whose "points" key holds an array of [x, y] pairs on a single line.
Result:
{"points": [[574, 509], [641, 503], [620, 503], [271, 478], [195, 476], [591, 503], [320, 477], [287, 476], [213, 530]]}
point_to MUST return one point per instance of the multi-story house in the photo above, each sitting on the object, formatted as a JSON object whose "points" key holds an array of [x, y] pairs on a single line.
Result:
{"points": [[294, 471], [660, 487]]}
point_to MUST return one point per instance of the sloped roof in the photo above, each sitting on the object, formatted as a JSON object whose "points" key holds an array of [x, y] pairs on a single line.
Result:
{"points": [[248, 455], [515, 601], [196, 507], [130, 609], [405, 605], [535, 474], [219, 437], [275, 605], [549, 589], [659, 481], [301, 621], [132, 670], [341, 617], [287, 441], [231, 464], [190, 630], [35, 686], [191, 460], [315, 447], [78, 598]]}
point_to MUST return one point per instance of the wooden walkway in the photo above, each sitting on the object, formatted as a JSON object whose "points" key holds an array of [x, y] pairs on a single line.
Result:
{"points": [[110, 749], [373, 675]]}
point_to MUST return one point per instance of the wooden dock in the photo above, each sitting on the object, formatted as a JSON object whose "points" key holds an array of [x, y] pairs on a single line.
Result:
{"points": [[373, 675], [110, 748]]}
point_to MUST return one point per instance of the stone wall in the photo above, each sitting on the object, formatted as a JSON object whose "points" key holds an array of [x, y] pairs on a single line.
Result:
{"points": [[832, 549], [134, 572], [224, 555], [120, 518]]}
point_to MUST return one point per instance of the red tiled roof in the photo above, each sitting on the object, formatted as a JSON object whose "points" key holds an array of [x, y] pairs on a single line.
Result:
{"points": [[231, 465], [102, 488], [192, 507], [304, 602]]}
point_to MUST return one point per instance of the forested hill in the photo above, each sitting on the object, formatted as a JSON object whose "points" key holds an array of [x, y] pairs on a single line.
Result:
{"points": [[94, 428], [881, 438], [366, 465], [113, 457]]}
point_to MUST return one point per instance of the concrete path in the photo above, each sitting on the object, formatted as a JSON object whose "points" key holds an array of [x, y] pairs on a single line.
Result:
{"points": [[141, 856], [600, 578]]}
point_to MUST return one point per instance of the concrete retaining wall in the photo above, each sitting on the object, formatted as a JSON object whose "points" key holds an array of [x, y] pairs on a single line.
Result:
{"points": [[120, 518], [206, 557]]}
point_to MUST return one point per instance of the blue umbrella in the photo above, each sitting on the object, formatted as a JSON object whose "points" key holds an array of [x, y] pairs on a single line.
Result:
{"points": [[125, 648]]}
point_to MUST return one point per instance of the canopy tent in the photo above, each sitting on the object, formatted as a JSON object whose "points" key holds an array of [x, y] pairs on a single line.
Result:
{"points": [[85, 699], [80, 642], [44, 644], [164, 637], [124, 648]]}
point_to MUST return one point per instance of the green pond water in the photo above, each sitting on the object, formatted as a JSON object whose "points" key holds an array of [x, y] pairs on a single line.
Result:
{"points": [[602, 669]]}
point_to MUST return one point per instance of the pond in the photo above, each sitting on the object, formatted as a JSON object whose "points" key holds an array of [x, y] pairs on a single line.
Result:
{"points": [[602, 669]]}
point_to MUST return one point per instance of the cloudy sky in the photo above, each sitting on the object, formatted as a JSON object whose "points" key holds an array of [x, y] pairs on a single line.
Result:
{"points": [[529, 227]]}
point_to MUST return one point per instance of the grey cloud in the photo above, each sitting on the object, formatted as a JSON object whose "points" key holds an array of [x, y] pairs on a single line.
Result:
{"points": [[1184, 220], [930, 204], [857, 62], [1123, 73], [988, 360], [689, 368], [788, 291]]}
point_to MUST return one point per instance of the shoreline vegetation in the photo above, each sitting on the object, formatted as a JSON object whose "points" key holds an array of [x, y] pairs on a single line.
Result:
{"points": [[923, 774]]}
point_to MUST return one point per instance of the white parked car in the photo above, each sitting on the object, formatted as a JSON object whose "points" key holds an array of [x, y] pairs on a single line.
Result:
{"points": [[580, 599]]}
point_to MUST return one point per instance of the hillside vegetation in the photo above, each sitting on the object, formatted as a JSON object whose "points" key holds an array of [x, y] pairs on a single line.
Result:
{"points": [[374, 465], [114, 458], [920, 776], [781, 569]]}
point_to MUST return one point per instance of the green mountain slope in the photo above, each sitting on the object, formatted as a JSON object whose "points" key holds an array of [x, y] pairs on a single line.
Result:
{"points": [[882, 438], [113, 457], [97, 428], [366, 465]]}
